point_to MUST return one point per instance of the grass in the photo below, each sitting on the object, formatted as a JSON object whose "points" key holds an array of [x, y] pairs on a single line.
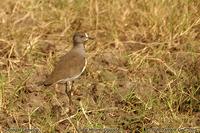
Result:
{"points": [[143, 67]]}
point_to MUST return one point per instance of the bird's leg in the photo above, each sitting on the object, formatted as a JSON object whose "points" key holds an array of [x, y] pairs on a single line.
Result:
{"points": [[68, 91], [72, 85]]}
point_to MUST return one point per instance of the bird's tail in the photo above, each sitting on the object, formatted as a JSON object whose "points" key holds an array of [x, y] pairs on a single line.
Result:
{"points": [[42, 83]]}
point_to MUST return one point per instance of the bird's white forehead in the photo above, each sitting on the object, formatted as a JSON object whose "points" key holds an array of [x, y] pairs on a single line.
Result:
{"points": [[86, 35]]}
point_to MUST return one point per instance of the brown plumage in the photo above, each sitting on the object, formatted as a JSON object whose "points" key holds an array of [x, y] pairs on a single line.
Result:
{"points": [[72, 64]]}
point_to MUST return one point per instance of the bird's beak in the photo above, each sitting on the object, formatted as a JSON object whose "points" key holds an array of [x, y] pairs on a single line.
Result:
{"points": [[91, 38], [88, 37]]}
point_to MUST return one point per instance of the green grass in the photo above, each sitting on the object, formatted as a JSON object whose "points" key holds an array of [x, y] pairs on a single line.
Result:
{"points": [[143, 67]]}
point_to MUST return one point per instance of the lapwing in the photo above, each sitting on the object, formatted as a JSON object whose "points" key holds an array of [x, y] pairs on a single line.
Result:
{"points": [[71, 65]]}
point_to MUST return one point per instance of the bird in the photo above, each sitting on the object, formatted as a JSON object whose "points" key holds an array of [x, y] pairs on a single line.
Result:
{"points": [[71, 65]]}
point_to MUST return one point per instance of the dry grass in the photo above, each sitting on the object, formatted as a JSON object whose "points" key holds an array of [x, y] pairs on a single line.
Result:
{"points": [[143, 68]]}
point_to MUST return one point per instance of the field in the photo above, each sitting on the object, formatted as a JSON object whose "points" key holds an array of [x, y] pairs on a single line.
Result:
{"points": [[143, 68]]}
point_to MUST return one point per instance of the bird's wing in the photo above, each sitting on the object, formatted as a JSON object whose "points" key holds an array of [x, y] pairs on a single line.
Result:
{"points": [[68, 66]]}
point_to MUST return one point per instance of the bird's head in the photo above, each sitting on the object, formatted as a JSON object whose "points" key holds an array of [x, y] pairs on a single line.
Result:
{"points": [[81, 37]]}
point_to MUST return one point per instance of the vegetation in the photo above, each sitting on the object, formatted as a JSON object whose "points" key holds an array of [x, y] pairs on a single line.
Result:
{"points": [[143, 68]]}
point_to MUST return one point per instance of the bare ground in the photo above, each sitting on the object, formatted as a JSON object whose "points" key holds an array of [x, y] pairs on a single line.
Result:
{"points": [[143, 67]]}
